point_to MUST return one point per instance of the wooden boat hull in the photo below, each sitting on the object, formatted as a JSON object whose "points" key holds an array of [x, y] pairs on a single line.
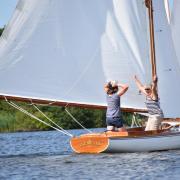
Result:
{"points": [[132, 141], [144, 144], [89, 144]]}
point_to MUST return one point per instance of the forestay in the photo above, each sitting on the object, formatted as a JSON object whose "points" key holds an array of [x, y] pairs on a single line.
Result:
{"points": [[65, 50]]}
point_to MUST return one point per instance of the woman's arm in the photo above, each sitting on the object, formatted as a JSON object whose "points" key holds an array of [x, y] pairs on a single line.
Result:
{"points": [[139, 85], [154, 88], [124, 88]]}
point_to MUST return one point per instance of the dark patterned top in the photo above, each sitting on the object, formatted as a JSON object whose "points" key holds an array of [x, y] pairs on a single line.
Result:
{"points": [[113, 105], [153, 107]]}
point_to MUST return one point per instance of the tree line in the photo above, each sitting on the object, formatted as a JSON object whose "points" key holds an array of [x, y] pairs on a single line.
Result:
{"points": [[12, 120]]}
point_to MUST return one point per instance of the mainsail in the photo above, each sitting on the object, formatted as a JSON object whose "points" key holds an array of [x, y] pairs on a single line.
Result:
{"points": [[65, 50]]}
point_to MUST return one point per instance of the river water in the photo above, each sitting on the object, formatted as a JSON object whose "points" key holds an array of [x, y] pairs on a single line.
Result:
{"points": [[48, 155]]}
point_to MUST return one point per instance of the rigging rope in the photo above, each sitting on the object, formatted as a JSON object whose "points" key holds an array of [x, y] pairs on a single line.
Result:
{"points": [[31, 115], [51, 120], [77, 121], [134, 121], [56, 124]]}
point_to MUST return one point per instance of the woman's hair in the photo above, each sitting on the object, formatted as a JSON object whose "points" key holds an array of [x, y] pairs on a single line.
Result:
{"points": [[111, 89]]}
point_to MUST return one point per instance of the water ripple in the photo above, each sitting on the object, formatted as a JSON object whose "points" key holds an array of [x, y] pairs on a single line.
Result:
{"points": [[47, 155]]}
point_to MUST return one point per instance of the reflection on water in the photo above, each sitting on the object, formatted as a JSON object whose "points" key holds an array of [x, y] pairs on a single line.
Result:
{"points": [[47, 155]]}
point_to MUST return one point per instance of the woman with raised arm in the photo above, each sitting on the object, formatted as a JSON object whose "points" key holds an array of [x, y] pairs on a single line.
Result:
{"points": [[152, 104], [114, 91]]}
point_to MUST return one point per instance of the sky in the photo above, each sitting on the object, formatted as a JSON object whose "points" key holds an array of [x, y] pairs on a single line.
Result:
{"points": [[7, 8]]}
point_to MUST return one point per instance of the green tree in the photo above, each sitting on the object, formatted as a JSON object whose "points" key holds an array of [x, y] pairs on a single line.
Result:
{"points": [[1, 31], [14, 120]]}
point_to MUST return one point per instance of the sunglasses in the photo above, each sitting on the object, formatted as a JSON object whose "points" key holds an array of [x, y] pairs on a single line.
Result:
{"points": [[147, 89]]}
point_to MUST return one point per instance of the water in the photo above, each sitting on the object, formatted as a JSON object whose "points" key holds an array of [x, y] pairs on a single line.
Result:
{"points": [[47, 155]]}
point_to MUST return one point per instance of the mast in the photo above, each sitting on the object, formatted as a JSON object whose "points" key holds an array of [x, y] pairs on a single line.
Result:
{"points": [[149, 5]]}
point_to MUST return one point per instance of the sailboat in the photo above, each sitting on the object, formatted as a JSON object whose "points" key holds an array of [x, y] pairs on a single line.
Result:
{"points": [[61, 52]]}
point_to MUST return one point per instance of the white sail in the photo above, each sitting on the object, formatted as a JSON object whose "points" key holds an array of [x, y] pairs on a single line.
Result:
{"points": [[167, 8], [168, 68], [65, 50], [175, 27]]}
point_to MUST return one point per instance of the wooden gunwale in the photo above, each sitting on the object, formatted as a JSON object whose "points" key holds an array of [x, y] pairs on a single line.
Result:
{"points": [[130, 134], [144, 134]]}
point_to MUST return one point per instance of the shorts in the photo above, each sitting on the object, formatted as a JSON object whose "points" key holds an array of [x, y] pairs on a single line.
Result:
{"points": [[114, 121], [154, 123]]}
